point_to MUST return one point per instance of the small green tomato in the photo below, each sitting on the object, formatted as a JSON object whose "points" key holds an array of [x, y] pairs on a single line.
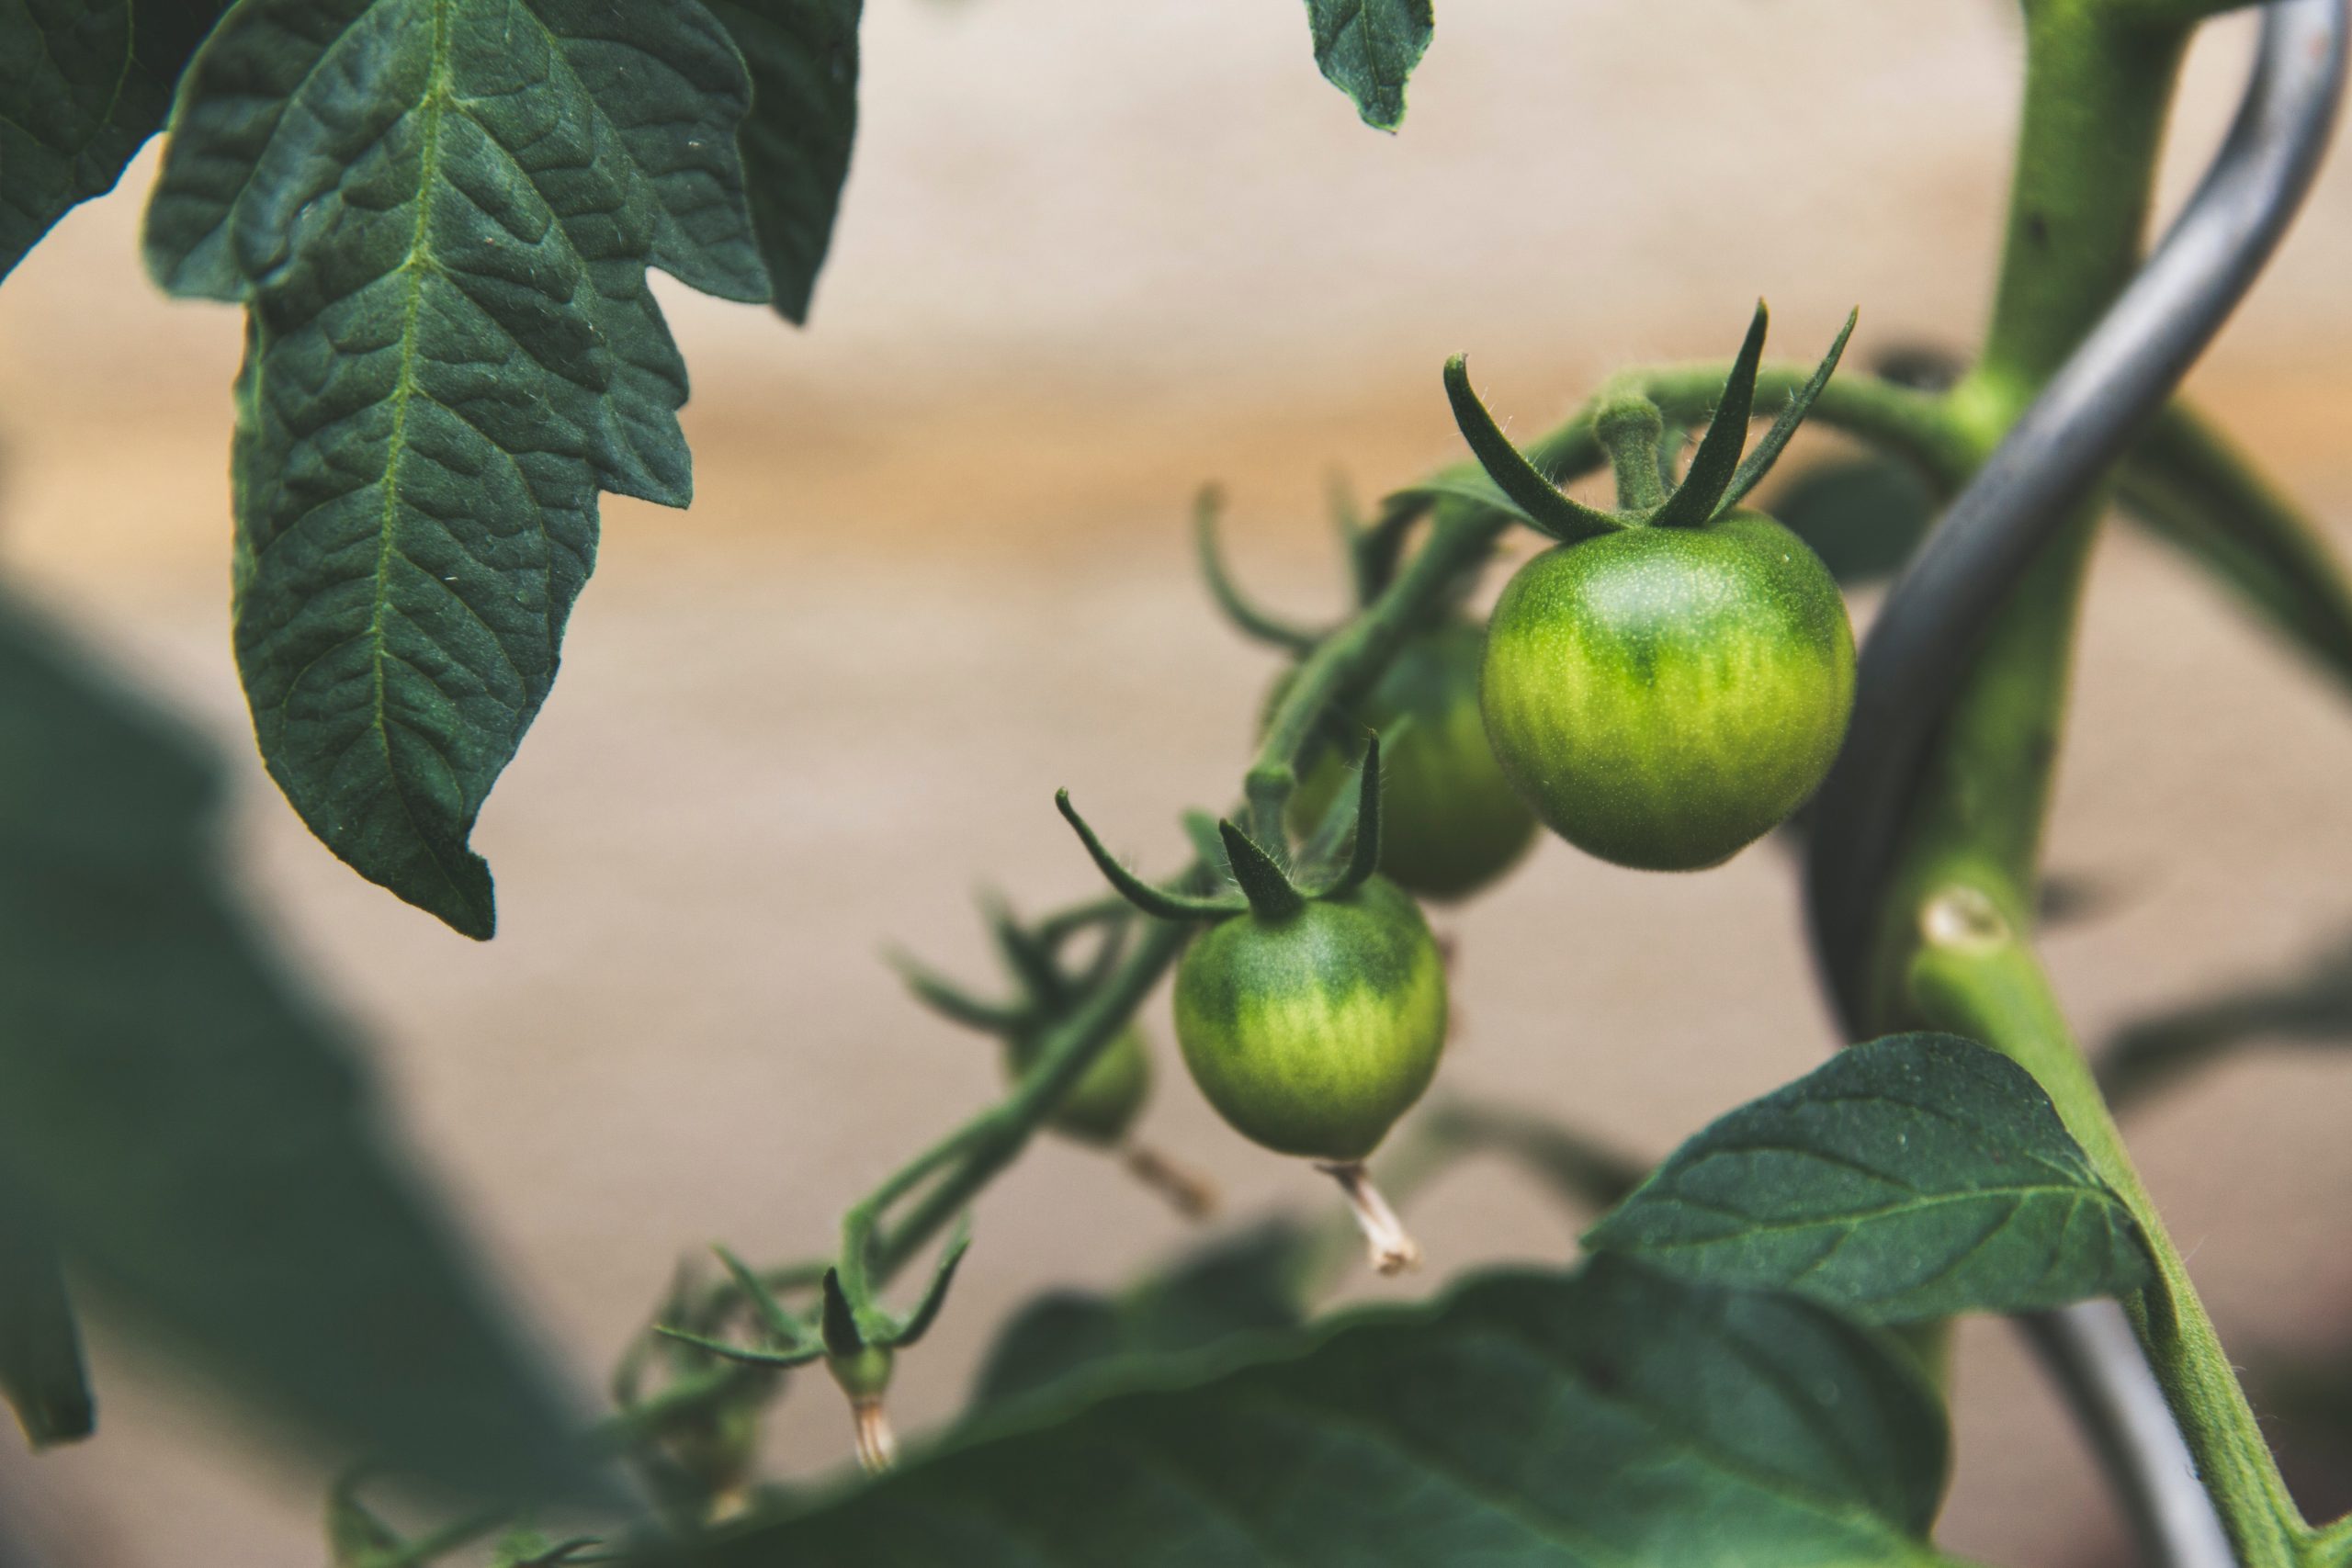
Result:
{"points": [[1313, 1032], [1451, 821], [1107, 1098], [1665, 696]]}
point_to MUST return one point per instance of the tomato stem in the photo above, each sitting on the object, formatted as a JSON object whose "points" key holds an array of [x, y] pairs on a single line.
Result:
{"points": [[1188, 1192], [1951, 948], [1391, 1248]]}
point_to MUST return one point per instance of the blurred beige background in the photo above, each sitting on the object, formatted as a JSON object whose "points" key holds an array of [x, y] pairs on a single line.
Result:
{"points": [[1090, 256]]}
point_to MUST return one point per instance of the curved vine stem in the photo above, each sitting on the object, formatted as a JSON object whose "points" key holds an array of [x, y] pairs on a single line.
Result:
{"points": [[892, 1225], [1921, 877]]}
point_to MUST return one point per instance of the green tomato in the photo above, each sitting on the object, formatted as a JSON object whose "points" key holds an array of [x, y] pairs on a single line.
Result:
{"points": [[1107, 1098], [717, 1449], [1665, 696], [1312, 1034], [1450, 821]]}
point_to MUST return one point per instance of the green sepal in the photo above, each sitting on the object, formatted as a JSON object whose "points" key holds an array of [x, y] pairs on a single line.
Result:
{"points": [[1338, 819], [1467, 482], [1031, 964], [1716, 462], [1760, 462], [748, 1355], [1158, 902], [1247, 618], [773, 1316], [844, 1335], [948, 1000], [1263, 883], [926, 1311], [1532, 497], [1364, 859]]}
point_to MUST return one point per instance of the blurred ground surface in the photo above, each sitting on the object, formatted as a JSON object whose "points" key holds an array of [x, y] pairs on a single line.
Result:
{"points": [[1094, 254]]}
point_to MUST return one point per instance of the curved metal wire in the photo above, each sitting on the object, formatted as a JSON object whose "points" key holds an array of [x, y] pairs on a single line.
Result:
{"points": [[1938, 614]]}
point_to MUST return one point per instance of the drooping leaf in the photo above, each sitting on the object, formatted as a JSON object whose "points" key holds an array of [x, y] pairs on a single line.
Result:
{"points": [[194, 1133], [40, 1343], [2189, 486], [795, 141], [1863, 515], [438, 215], [1240, 1284], [83, 85], [1368, 48], [1915, 1176], [1613, 1416]]}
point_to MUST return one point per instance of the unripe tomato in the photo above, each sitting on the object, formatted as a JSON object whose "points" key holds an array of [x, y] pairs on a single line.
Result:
{"points": [[717, 1449], [1314, 1032], [1107, 1098], [1665, 696], [1450, 821]]}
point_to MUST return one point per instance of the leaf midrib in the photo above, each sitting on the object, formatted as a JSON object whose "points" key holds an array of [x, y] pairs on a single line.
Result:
{"points": [[435, 103], [1854, 1218]]}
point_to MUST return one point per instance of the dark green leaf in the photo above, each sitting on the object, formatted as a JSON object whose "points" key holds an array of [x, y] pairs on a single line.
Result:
{"points": [[795, 141], [194, 1131], [1367, 49], [1613, 1416], [2190, 487], [1242, 1284], [83, 85], [1915, 1176], [1862, 516], [439, 214], [41, 1344]]}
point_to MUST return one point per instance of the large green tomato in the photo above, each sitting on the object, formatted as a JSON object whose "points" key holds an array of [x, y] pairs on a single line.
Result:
{"points": [[1106, 1099], [1450, 821], [1665, 696], [1312, 1034]]}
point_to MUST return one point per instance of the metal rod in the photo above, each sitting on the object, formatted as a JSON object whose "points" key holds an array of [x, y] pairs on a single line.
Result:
{"points": [[1938, 614], [1921, 643]]}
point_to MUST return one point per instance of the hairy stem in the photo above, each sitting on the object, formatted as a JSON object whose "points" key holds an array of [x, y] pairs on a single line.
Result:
{"points": [[1951, 947]]}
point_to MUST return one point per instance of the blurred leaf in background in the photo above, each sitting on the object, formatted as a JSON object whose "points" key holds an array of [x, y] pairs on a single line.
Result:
{"points": [[192, 1131], [1609, 1414], [1239, 1284], [1862, 514], [2309, 1005]]}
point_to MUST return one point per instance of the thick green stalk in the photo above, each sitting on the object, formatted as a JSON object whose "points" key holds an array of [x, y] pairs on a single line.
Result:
{"points": [[1952, 950]]}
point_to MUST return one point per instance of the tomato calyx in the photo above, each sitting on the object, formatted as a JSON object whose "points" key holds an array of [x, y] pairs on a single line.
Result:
{"points": [[1629, 427], [1311, 1011], [853, 1335], [1260, 884]]}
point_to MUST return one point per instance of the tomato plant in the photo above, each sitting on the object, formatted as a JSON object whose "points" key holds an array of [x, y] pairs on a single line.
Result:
{"points": [[438, 218]]}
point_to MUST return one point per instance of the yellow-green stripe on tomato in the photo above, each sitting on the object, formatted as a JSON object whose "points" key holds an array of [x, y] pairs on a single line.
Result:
{"points": [[1450, 821], [1106, 1099], [1313, 1032], [1665, 696]]}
